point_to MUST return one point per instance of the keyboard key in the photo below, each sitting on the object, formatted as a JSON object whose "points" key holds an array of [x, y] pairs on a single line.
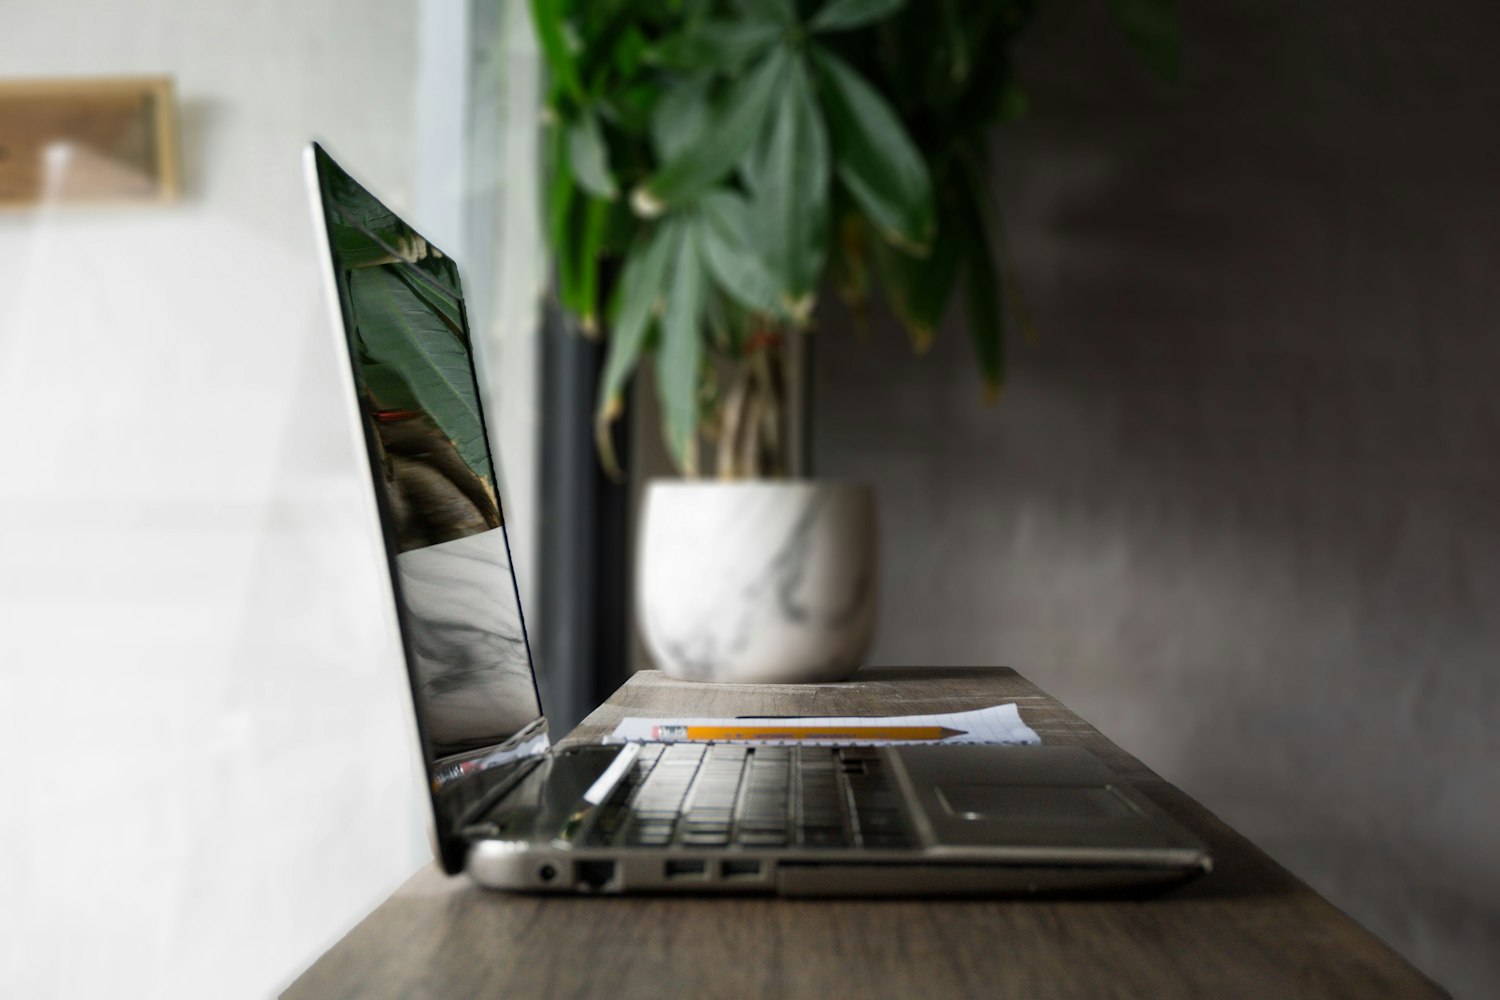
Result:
{"points": [[711, 795], [822, 837], [705, 839], [884, 841], [654, 837], [761, 838]]}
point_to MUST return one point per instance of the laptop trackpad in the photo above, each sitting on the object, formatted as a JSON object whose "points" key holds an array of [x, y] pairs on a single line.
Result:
{"points": [[1047, 797], [1030, 803]]}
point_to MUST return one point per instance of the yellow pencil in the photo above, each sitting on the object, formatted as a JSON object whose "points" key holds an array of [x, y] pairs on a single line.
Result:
{"points": [[700, 733]]}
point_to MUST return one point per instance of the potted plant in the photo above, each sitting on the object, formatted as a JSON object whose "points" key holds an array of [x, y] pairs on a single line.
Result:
{"points": [[711, 166]]}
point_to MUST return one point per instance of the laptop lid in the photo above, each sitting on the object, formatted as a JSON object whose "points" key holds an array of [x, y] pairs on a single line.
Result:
{"points": [[403, 331]]}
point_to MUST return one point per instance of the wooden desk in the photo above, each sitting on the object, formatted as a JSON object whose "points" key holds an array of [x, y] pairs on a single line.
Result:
{"points": [[1250, 929]]}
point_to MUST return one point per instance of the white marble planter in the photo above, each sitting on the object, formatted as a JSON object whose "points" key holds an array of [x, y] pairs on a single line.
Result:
{"points": [[757, 582]]}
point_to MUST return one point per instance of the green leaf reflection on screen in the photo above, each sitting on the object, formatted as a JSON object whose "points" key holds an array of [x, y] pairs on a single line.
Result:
{"points": [[401, 328]]}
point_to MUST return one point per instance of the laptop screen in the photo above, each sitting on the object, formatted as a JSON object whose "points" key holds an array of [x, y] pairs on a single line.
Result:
{"points": [[418, 399]]}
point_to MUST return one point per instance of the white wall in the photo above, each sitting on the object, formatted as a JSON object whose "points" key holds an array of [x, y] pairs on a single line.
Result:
{"points": [[201, 778]]}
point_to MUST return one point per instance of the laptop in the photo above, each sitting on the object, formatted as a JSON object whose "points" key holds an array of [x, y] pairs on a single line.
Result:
{"points": [[516, 814]]}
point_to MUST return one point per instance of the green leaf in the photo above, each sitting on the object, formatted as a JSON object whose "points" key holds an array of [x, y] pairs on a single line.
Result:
{"points": [[552, 35], [680, 354], [569, 276], [357, 247], [716, 319], [735, 265], [719, 45], [364, 233], [876, 160], [982, 303], [569, 218], [958, 31], [849, 264], [629, 107], [920, 287], [841, 15], [782, 12], [431, 275], [387, 386], [1151, 27], [398, 329], [586, 250], [788, 175], [681, 117], [628, 50], [560, 191], [734, 127], [444, 305], [632, 311], [434, 270], [728, 323], [981, 282], [589, 157], [1013, 103]]}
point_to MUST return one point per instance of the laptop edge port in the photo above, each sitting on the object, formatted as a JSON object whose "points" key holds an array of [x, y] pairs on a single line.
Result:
{"points": [[687, 869], [739, 868], [594, 874]]}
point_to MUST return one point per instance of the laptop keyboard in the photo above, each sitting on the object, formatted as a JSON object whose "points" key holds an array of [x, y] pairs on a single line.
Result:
{"points": [[718, 795]]}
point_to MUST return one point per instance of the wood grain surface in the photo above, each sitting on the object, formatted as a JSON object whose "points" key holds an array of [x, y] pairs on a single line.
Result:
{"points": [[1249, 929]]}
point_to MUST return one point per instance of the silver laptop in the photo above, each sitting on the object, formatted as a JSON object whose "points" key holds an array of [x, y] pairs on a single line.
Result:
{"points": [[516, 814]]}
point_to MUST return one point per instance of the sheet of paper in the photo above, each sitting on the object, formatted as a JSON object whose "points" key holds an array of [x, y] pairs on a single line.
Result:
{"points": [[998, 725]]}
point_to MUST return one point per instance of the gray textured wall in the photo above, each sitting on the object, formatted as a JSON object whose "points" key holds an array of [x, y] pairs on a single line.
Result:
{"points": [[1241, 505]]}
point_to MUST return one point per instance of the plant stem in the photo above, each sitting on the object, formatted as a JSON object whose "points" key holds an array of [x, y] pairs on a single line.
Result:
{"points": [[750, 447], [773, 449], [749, 432], [729, 427]]}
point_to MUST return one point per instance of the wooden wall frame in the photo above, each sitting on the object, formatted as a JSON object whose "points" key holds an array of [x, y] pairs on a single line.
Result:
{"points": [[88, 139]]}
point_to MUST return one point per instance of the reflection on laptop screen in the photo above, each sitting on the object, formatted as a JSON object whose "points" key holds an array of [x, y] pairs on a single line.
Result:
{"points": [[413, 369]]}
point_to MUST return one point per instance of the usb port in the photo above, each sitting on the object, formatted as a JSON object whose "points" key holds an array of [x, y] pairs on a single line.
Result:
{"points": [[741, 869], [687, 869]]}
